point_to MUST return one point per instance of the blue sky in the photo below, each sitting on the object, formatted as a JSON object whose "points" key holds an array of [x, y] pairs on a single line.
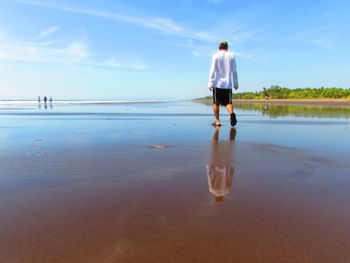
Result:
{"points": [[99, 49]]}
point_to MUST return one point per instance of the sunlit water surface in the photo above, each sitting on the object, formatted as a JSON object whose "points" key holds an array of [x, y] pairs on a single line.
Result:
{"points": [[84, 183]]}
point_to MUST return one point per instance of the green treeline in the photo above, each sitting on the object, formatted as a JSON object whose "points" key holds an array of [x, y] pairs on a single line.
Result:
{"points": [[277, 92]]}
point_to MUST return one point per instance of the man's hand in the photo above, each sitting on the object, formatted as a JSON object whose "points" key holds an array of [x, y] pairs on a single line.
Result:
{"points": [[235, 87], [211, 88]]}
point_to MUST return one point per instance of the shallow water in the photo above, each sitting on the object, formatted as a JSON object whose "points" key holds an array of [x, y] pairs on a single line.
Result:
{"points": [[80, 183]]}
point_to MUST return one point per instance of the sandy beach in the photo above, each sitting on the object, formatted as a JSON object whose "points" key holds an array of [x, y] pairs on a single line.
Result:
{"points": [[84, 183]]}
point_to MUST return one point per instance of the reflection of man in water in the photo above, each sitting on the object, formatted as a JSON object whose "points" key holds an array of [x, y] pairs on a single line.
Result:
{"points": [[219, 170], [50, 102]]}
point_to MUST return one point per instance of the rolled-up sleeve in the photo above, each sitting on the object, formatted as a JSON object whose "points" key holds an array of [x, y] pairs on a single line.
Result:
{"points": [[212, 72], [234, 71]]}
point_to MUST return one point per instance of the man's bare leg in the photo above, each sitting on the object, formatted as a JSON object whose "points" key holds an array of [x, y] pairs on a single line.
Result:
{"points": [[216, 109], [229, 108]]}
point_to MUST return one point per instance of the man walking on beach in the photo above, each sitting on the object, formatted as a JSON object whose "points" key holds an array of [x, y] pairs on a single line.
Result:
{"points": [[222, 77]]}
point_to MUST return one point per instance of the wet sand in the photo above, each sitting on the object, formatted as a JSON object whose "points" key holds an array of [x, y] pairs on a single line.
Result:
{"points": [[94, 191]]}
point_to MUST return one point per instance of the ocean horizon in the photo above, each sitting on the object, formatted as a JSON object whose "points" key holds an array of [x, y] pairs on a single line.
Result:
{"points": [[74, 101]]}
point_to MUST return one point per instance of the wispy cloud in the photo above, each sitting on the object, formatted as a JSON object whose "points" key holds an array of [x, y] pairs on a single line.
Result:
{"points": [[35, 52], [321, 36], [110, 63], [195, 53], [216, 1], [327, 14], [73, 53], [114, 63], [229, 29], [76, 50], [12, 75], [244, 55], [48, 31], [161, 24], [158, 23]]}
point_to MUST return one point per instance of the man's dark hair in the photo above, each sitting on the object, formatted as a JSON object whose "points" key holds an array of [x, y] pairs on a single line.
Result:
{"points": [[223, 45]]}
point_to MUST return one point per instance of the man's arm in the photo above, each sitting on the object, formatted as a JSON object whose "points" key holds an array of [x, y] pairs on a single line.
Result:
{"points": [[212, 74], [234, 73]]}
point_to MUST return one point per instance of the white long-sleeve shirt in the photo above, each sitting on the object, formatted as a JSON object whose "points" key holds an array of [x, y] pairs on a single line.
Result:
{"points": [[223, 72], [219, 179]]}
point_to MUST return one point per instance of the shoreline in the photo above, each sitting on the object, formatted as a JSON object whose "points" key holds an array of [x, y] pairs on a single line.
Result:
{"points": [[319, 102]]}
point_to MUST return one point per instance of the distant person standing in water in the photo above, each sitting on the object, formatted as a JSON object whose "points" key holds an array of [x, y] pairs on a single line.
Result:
{"points": [[45, 99], [222, 78], [50, 99], [39, 99]]}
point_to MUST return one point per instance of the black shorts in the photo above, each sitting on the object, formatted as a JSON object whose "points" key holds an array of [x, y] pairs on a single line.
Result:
{"points": [[222, 96]]}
